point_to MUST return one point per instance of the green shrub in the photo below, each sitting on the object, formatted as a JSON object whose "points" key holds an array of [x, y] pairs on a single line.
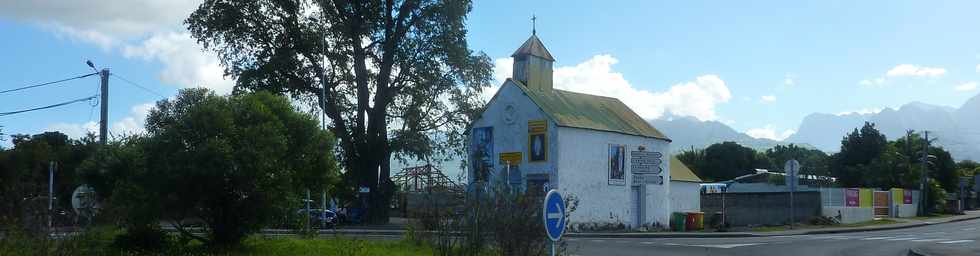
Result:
{"points": [[142, 238]]}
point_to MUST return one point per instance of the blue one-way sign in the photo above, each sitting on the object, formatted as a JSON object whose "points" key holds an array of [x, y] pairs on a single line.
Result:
{"points": [[554, 215]]}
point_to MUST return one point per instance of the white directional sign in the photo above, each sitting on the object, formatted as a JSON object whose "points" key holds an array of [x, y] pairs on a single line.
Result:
{"points": [[646, 162], [647, 179]]}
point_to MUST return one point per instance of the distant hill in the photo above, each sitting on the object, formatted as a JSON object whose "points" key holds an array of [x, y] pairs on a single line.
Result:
{"points": [[688, 132], [957, 129]]}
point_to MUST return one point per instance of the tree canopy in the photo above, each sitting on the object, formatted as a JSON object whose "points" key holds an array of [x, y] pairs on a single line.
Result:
{"points": [[233, 162], [723, 161], [393, 77]]}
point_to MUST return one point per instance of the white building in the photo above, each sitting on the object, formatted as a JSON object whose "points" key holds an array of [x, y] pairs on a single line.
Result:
{"points": [[593, 147]]}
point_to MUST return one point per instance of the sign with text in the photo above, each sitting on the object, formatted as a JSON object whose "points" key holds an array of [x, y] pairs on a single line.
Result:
{"points": [[537, 126], [642, 162], [511, 157], [852, 197], [647, 179], [907, 197]]}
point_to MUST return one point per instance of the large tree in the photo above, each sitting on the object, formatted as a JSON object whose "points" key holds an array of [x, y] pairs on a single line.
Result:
{"points": [[24, 169], [857, 151], [393, 77]]}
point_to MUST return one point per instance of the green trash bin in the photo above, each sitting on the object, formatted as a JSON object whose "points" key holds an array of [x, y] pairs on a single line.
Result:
{"points": [[677, 221]]}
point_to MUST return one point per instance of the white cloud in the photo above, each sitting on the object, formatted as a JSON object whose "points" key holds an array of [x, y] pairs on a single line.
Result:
{"points": [[789, 80], [131, 124], [872, 82], [768, 98], [696, 98], [863, 111], [966, 87], [144, 29], [978, 68], [768, 132], [185, 63], [75, 130], [98, 21], [912, 70]]}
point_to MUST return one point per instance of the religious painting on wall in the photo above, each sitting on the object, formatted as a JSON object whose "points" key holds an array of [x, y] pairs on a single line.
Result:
{"points": [[617, 157], [482, 145], [537, 141]]}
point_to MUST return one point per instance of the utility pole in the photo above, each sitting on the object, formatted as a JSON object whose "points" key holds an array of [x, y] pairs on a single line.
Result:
{"points": [[104, 121], [51, 166], [923, 177]]}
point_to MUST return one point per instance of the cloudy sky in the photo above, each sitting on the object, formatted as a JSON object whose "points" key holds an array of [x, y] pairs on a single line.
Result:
{"points": [[758, 66]]}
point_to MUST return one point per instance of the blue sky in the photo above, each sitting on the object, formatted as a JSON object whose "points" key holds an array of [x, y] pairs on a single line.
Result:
{"points": [[759, 66]]}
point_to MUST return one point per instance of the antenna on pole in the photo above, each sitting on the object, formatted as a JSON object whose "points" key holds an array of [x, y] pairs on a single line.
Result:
{"points": [[534, 26]]}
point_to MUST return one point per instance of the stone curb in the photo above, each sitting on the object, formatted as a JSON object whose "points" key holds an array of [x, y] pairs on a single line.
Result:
{"points": [[755, 234], [398, 232]]}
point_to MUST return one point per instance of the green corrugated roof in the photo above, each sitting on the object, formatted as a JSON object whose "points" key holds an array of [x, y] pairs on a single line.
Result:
{"points": [[680, 172], [579, 110], [533, 47]]}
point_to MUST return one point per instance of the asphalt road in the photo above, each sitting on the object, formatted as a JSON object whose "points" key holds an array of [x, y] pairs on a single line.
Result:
{"points": [[957, 238]]}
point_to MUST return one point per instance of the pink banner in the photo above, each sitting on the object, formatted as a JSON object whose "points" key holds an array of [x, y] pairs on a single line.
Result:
{"points": [[907, 196], [852, 197]]}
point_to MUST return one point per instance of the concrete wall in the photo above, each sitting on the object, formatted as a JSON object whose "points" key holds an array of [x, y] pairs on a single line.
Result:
{"points": [[832, 200], [685, 197], [849, 214], [512, 137], [583, 171], [749, 209]]}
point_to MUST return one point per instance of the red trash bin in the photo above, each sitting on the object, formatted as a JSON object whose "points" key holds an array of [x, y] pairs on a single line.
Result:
{"points": [[690, 221]]}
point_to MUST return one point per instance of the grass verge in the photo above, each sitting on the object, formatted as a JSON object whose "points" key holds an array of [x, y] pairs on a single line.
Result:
{"points": [[850, 225]]}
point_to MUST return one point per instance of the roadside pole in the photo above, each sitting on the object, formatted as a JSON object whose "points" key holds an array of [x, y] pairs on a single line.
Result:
{"points": [[50, 193], [792, 171]]}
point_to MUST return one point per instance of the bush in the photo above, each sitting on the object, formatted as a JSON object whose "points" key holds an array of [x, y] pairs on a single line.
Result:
{"points": [[142, 238], [492, 219]]}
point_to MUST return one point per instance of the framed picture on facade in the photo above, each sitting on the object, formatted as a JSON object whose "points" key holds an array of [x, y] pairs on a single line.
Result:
{"points": [[537, 141], [537, 146], [482, 146], [617, 157]]}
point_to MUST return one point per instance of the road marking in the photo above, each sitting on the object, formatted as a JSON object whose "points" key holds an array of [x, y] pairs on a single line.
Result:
{"points": [[956, 242], [969, 229], [648, 243], [902, 239], [597, 240], [878, 238], [724, 246], [720, 246], [934, 233], [929, 240], [826, 237]]}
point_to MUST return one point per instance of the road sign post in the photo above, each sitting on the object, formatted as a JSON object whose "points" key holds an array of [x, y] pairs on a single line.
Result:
{"points": [[554, 218], [792, 170]]}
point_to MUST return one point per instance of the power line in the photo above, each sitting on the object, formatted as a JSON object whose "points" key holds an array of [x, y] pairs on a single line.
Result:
{"points": [[49, 106], [137, 85], [48, 83]]}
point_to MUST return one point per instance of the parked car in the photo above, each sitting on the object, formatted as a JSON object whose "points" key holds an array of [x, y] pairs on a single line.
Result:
{"points": [[321, 218]]}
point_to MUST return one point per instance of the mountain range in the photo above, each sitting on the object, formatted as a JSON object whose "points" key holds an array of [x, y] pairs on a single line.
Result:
{"points": [[956, 129]]}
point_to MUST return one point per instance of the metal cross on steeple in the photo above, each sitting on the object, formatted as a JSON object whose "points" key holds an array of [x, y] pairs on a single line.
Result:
{"points": [[534, 29]]}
